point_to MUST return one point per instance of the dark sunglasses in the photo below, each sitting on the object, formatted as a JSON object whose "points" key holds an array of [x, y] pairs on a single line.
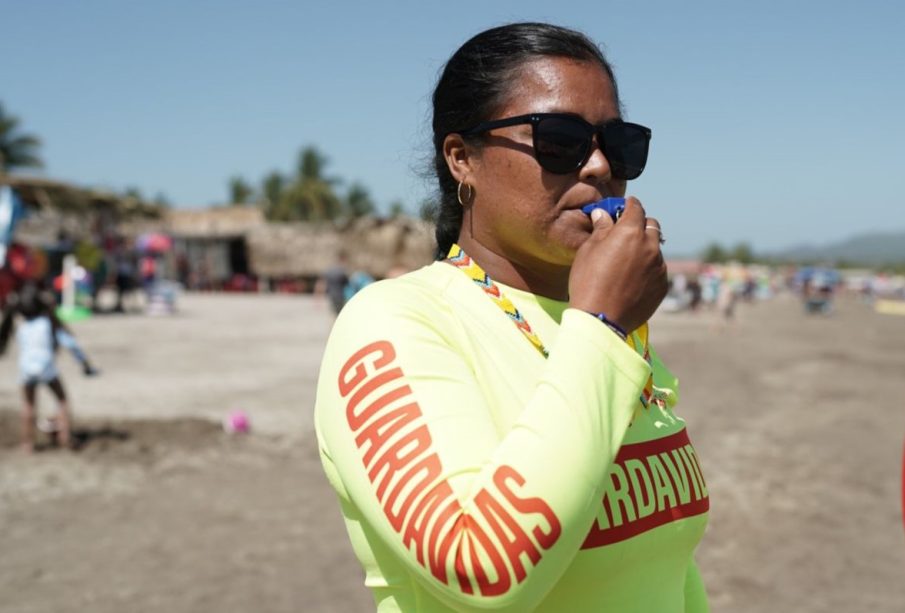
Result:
{"points": [[562, 142]]}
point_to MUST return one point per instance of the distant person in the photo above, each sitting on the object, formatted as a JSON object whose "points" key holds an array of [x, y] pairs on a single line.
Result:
{"points": [[358, 280], [38, 336], [727, 298], [333, 283], [817, 292], [99, 275], [91, 256], [867, 292], [679, 285], [497, 429], [148, 270], [695, 293], [183, 269], [125, 274], [749, 288]]}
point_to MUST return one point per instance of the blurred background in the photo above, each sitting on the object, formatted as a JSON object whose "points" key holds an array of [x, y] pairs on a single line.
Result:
{"points": [[195, 182]]}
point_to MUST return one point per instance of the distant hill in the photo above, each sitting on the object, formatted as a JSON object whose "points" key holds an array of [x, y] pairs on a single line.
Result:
{"points": [[868, 249]]}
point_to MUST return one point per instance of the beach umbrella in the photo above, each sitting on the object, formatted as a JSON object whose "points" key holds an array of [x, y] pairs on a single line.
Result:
{"points": [[155, 242]]}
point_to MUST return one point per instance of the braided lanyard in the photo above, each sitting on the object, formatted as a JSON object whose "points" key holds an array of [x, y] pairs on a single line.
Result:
{"points": [[638, 339]]}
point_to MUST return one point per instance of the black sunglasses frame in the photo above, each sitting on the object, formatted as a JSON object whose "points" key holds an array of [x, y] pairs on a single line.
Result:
{"points": [[534, 119]]}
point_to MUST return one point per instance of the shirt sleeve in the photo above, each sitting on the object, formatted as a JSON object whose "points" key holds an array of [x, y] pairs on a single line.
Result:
{"points": [[481, 515]]}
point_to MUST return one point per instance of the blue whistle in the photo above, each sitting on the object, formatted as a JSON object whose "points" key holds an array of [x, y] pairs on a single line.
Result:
{"points": [[613, 205]]}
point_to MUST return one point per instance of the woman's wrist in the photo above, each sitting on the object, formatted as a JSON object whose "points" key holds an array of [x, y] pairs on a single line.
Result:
{"points": [[609, 323]]}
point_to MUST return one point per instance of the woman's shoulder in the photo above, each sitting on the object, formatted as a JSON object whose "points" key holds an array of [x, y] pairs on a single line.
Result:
{"points": [[405, 310], [418, 289]]}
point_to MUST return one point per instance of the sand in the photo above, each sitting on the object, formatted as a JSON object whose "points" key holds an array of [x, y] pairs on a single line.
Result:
{"points": [[798, 422]]}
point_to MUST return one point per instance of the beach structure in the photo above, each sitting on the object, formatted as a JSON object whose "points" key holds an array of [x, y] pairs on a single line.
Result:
{"points": [[210, 245], [57, 207], [221, 247], [305, 250], [234, 247]]}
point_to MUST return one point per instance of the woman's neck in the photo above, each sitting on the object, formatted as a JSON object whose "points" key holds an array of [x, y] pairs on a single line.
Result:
{"points": [[538, 278]]}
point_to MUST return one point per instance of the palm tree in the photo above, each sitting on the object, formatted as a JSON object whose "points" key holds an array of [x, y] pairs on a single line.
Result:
{"points": [[134, 193], [271, 193], [16, 150], [161, 200], [309, 201], [239, 191], [742, 253], [358, 201], [397, 209], [311, 165], [311, 196], [714, 253]]}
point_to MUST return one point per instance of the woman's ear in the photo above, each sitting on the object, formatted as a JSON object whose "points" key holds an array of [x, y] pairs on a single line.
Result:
{"points": [[460, 157]]}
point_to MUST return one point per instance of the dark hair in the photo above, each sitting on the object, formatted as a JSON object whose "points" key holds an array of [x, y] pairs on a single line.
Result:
{"points": [[31, 301], [476, 81]]}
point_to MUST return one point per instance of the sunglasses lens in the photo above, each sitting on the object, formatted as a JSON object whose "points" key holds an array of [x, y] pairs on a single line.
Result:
{"points": [[561, 145], [625, 148]]}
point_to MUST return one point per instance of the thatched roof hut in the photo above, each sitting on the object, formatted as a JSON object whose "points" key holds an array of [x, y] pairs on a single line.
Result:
{"points": [[39, 193], [56, 206], [292, 249], [215, 222], [221, 222], [378, 246], [305, 250]]}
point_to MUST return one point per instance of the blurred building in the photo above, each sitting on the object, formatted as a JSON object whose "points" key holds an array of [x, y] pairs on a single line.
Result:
{"points": [[221, 247], [57, 208]]}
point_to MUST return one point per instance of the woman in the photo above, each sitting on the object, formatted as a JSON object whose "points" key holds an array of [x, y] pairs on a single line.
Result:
{"points": [[495, 438]]}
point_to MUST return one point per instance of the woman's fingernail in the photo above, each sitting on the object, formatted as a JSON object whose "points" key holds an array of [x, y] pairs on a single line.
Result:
{"points": [[596, 214]]}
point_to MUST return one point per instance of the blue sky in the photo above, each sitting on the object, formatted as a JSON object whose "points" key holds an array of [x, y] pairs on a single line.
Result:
{"points": [[774, 122]]}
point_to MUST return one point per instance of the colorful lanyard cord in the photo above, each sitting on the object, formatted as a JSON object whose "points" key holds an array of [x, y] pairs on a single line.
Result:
{"points": [[458, 258]]}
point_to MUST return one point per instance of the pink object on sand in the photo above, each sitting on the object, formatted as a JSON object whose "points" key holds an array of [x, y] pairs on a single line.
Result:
{"points": [[237, 422]]}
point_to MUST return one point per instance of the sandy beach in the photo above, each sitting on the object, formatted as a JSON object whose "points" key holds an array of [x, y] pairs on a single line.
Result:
{"points": [[798, 422]]}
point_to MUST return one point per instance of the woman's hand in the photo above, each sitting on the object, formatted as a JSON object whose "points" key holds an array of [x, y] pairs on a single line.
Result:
{"points": [[620, 270]]}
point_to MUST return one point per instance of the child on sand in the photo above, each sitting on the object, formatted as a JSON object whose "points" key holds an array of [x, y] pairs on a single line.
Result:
{"points": [[38, 336]]}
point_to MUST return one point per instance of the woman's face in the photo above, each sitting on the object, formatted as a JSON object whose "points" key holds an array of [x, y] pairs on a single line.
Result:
{"points": [[520, 211]]}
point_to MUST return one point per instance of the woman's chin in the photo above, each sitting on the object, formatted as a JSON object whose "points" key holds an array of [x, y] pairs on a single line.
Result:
{"points": [[564, 247]]}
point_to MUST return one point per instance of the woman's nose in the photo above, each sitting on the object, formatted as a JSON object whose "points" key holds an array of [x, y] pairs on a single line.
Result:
{"points": [[597, 168]]}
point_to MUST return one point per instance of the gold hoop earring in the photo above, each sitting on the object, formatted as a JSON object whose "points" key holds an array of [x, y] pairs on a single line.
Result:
{"points": [[464, 201]]}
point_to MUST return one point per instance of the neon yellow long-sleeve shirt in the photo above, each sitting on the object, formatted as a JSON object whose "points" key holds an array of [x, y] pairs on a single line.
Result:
{"points": [[473, 473]]}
